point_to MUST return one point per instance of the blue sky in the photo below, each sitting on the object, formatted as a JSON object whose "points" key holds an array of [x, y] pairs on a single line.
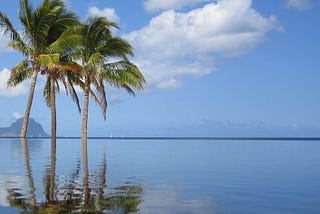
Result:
{"points": [[214, 68]]}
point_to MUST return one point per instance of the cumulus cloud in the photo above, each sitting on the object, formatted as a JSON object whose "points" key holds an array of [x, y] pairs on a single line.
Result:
{"points": [[154, 5], [10, 91], [301, 5], [170, 83], [17, 115], [109, 13], [176, 44]]}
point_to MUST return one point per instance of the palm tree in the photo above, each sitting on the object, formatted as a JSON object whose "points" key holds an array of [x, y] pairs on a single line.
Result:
{"points": [[93, 46], [59, 69], [41, 27]]}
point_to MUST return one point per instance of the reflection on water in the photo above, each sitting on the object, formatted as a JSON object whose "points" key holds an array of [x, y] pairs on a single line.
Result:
{"points": [[159, 176], [70, 194]]}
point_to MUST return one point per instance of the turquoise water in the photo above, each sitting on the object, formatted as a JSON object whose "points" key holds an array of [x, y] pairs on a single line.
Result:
{"points": [[160, 176]]}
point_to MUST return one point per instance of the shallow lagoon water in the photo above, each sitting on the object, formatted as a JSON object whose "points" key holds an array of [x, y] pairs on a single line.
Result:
{"points": [[160, 176]]}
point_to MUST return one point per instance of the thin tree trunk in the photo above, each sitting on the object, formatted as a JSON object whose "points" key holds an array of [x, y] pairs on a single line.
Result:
{"points": [[53, 109], [84, 136], [53, 139], [29, 104], [84, 128]]}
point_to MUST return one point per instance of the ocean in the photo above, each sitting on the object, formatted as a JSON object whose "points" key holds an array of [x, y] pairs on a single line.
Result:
{"points": [[160, 176]]}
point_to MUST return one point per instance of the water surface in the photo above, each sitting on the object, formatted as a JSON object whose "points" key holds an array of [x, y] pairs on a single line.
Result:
{"points": [[160, 176]]}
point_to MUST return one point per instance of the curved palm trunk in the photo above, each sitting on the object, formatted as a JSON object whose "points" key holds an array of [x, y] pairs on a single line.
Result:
{"points": [[53, 109], [29, 104], [84, 128]]}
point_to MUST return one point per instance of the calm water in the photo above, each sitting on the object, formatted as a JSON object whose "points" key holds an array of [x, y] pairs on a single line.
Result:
{"points": [[160, 176]]}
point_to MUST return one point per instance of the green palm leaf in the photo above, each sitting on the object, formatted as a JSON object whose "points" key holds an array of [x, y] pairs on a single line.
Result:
{"points": [[19, 73], [41, 27]]}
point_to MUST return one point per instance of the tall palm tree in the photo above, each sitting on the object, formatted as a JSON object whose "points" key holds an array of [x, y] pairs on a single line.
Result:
{"points": [[40, 28], [59, 69], [93, 46]]}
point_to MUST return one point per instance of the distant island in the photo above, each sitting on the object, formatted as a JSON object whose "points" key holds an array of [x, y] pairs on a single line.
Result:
{"points": [[34, 129]]}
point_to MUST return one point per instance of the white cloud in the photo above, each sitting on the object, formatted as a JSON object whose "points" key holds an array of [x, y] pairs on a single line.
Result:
{"points": [[17, 115], [299, 4], [10, 91], [175, 44], [153, 5], [170, 83], [109, 13]]}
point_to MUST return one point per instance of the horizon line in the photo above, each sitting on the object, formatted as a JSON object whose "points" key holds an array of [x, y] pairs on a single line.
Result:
{"points": [[176, 138]]}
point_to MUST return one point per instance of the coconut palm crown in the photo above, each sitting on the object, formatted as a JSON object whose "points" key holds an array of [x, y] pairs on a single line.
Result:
{"points": [[104, 60]]}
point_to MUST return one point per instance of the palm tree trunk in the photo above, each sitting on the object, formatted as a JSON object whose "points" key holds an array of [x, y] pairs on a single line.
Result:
{"points": [[84, 136], [53, 109], [84, 128], [29, 104], [53, 139]]}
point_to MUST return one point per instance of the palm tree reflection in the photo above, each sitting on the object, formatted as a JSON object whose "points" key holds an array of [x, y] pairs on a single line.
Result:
{"points": [[52, 171], [15, 198], [29, 172], [72, 195]]}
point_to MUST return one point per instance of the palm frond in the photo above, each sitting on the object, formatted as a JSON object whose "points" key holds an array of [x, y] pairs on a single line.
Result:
{"points": [[95, 62], [128, 89], [26, 17], [19, 73], [49, 60], [102, 98], [70, 80], [9, 30], [51, 19], [116, 47], [94, 97], [123, 74], [57, 87], [25, 14], [68, 42], [46, 91], [21, 47], [62, 20]]}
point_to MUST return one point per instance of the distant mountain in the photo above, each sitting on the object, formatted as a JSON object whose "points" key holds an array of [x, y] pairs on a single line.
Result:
{"points": [[34, 129]]}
